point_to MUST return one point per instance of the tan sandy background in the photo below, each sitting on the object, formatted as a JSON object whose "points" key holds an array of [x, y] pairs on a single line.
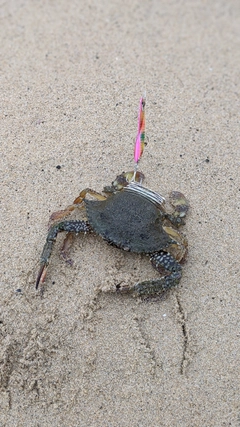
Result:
{"points": [[72, 74]]}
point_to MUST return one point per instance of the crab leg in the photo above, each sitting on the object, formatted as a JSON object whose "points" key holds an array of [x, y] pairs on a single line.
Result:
{"points": [[161, 261], [93, 193], [59, 215], [69, 226]]}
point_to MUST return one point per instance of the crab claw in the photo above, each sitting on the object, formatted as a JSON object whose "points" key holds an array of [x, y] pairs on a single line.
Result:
{"points": [[180, 204], [123, 180]]}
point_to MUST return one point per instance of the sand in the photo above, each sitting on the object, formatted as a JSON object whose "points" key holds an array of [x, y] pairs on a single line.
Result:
{"points": [[72, 74]]}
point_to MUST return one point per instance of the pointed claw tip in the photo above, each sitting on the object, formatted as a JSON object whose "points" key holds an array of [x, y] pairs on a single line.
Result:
{"points": [[41, 275]]}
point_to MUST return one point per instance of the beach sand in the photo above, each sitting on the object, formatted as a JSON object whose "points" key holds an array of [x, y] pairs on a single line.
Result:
{"points": [[72, 74]]}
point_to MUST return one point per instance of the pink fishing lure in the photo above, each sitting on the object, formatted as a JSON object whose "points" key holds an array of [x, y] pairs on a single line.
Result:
{"points": [[140, 139]]}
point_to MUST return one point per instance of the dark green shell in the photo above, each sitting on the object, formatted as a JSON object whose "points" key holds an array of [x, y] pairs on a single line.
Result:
{"points": [[129, 221]]}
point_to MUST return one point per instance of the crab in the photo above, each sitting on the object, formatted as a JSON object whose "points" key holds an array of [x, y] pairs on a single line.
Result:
{"points": [[132, 218]]}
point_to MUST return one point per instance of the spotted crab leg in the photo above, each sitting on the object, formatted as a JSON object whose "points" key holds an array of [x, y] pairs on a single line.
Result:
{"points": [[69, 226], [161, 261]]}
